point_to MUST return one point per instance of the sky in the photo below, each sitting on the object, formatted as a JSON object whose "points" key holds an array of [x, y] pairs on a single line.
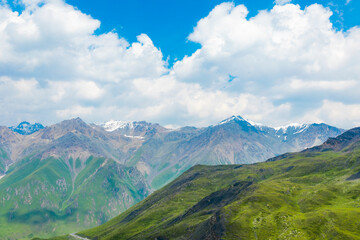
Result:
{"points": [[168, 23], [180, 63]]}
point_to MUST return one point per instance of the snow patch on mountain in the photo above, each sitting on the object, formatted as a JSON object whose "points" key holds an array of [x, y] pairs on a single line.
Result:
{"points": [[113, 125], [25, 128], [292, 128], [255, 124], [295, 127], [137, 137], [230, 119]]}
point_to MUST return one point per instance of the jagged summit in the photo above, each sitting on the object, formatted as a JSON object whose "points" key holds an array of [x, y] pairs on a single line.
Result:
{"points": [[232, 118], [239, 119], [25, 128], [75, 122], [289, 127], [73, 125]]}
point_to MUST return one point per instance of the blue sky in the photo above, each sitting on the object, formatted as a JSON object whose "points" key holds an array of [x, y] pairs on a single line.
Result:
{"points": [[180, 62], [168, 23]]}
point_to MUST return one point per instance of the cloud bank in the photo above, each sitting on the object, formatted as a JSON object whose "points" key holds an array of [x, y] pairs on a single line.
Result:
{"points": [[283, 65]]}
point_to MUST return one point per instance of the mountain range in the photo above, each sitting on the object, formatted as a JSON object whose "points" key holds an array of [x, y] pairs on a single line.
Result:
{"points": [[313, 194], [73, 175]]}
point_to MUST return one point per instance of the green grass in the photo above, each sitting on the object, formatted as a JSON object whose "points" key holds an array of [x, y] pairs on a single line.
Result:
{"points": [[3, 158], [164, 176], [304, 196], [37, 198]]}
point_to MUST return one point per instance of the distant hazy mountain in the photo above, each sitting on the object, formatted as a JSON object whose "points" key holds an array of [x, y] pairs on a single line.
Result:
{"points": [[25, 128], [232, 141], [73, 175]]}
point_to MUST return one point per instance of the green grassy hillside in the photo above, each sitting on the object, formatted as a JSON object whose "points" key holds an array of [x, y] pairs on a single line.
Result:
{"points": [[3, 160], [307, 195], [46, 198]]}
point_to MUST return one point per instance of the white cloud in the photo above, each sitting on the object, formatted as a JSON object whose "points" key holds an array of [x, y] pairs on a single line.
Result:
{"points": [[189, 103], [282, 2], [74, 112], [272, 45], [297, 84], [51, 58], [282, 54], [288, 63], [82, 90], [336, 113], [56, 41]]}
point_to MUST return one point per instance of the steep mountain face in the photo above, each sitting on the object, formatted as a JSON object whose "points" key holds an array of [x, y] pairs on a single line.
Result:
{"points": [[65, 177], [25, 128], [345, 142], [232, 141], [47, 198], [313, 194], [73, 175], [9, 143]]}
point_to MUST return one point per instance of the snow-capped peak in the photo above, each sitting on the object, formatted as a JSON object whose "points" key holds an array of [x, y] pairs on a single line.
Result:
{"points": [[25, 128], [239, 118], [112, 125], [297, 127], [292, 128], [255, 123], [231, 119]]}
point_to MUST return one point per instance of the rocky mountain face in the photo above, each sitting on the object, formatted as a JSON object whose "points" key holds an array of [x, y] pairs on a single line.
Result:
{"points": [[25, 128], [74, 175], [232, 141], [345, 142], [313, 194]]}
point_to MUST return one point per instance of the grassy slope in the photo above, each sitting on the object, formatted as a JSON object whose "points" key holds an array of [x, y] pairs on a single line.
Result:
{"points": [[31, 196], [37, 197], [305, 196], [3, 157]]}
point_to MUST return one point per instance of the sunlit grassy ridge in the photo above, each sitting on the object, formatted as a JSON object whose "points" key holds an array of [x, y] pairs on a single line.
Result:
{"points": [[304, 196]]}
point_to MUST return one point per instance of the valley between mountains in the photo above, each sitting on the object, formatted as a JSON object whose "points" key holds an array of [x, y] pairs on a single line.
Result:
{"points": [[313, 194], [72, 175]]}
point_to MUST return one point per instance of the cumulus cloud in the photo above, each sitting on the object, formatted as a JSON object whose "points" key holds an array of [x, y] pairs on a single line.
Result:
{"points": [[336, 113], [280, 54], [283, 42], [55, 41], [192, 103], [75, 111], [282, 2], [282, 65], [50, 52]]}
